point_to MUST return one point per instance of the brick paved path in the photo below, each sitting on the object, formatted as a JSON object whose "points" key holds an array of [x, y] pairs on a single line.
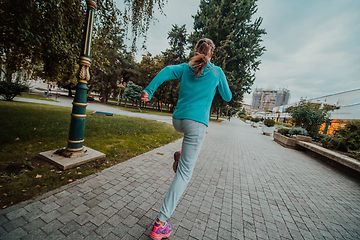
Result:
{"points": [[244, 186]]}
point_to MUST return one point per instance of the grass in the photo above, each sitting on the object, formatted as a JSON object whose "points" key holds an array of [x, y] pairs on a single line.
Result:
{"points": [[26, 129], [131, 108], [216, 120], [35, 96]]}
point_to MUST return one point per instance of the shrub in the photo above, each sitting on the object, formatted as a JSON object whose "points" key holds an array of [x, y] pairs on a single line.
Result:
{"points": [[249, 118], [347, 139], [283, 131], [241, 115], [289, 125], [256, 120], [354, 154], [11, 90], [298, 131], [350, 134], [333, 143], [310, 115], [269, 122]]}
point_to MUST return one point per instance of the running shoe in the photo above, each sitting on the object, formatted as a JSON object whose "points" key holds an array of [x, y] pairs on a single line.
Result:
{"points": [[158, 232], [176, 160]]}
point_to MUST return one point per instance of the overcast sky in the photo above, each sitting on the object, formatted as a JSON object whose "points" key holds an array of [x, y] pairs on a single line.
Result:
{"points": [[312, 45]]}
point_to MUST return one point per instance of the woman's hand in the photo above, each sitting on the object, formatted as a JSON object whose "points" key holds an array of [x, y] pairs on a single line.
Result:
{"points": [[145, 96]]}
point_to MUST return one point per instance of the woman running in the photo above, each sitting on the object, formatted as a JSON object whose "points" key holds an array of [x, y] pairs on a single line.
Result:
{"points": [[199, 80]]}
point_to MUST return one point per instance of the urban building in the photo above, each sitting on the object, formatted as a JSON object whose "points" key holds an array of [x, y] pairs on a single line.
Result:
{"points": [[264, 100], [347, 101]]}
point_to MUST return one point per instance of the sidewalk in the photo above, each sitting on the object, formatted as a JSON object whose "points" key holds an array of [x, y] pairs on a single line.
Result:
{"points": [[244, 186]]}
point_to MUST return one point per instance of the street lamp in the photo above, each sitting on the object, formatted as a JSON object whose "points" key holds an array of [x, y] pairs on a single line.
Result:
{"points": [[75, 154], [78, 115]]}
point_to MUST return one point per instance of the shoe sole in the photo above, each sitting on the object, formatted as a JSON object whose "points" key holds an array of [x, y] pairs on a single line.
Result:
{"points": [[155, 237]]}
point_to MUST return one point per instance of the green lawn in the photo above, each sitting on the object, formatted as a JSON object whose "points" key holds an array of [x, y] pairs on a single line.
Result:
{"points": [[131, 108], [26, 129], [35, 96]]}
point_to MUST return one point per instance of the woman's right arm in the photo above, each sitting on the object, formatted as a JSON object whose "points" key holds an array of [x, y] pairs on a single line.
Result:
{"points": [[223, 87], [168, 73]]}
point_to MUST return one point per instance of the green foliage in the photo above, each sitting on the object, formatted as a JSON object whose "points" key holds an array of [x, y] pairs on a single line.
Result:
{"points": [[237, 37], [288, 125], [110, 60], [241, 115], [10, 90], [354, 154], [249, 118], [332, 142], [149, 68], [132, 91], [269, 122], [347, 139], [45, 37], [174, 55], [255, 120], [298, 131], [139, 14], [310, 115], [351, 134], [283, 131]]}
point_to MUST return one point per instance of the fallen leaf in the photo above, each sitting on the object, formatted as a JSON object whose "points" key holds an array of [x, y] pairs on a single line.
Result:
{"points": [[38, 176], [62, 178], [5, 194], [17, 139], [59, 172], [37, 185], [160, 153], [79, 173], [70, 180], [24, 190], [34, 128]]}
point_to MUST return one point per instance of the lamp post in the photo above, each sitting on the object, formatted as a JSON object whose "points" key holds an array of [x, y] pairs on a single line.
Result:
{"points": [[78, 115], [75, 154]]}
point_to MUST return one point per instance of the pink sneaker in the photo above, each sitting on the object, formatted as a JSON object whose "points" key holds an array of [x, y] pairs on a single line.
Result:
{"points": [[158, 232], [176, 160]]}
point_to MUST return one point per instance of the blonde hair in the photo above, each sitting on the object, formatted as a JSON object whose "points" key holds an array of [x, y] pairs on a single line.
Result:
{"points": [[203, 49]]}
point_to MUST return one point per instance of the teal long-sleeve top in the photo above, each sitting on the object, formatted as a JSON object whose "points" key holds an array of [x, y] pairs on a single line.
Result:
{"points": [[196, 93]]}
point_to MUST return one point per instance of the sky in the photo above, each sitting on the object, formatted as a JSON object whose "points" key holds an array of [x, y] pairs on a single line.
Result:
{"points": [[312, 46]]}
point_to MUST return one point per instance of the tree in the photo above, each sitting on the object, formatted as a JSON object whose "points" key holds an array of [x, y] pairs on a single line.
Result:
{"points": [[174, 55], [107, 51], [138, 14], [310, 115], [11, 90], [132, 92], [149, 68], [237, 37], [48, 33]]}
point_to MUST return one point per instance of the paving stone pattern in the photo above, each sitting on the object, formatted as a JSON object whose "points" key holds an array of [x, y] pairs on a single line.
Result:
{"points": [[244, 186]]}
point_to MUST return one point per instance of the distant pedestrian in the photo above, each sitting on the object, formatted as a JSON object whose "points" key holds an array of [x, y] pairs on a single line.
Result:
{"points": [[199, 80], [230, 113]]}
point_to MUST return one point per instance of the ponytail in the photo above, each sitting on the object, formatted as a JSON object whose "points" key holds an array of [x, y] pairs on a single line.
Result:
{"points": [[203, 50]]}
